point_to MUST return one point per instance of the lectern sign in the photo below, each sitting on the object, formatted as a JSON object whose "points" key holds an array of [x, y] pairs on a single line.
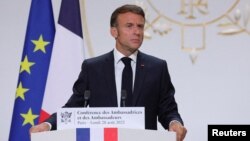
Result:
{"points": [[125, 117]]}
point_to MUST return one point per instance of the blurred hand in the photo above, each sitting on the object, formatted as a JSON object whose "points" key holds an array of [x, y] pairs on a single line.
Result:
{"points": [[179, 129], [40, 128]]}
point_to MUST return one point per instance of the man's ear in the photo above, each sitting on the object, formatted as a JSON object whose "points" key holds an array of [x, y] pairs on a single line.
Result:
{"points": [[113, 32]]}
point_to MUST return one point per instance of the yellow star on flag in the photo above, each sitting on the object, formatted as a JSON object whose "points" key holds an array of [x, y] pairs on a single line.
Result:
{"points": [[40, 44], [25, 65], [29, 118], [20, 91]]}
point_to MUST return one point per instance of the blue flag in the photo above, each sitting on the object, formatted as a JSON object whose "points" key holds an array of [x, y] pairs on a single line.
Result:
{"points": [[33, 69]]}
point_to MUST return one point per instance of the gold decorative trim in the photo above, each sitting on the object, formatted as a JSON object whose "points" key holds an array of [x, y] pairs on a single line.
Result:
{"points": [[200, 24], [195, 50]]}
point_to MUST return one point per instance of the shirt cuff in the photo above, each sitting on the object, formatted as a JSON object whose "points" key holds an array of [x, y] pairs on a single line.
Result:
{"points": [[50, 126], [173, 122]]}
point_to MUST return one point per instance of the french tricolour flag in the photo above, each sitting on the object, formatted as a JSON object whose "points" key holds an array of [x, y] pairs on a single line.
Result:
{"points": [[97, 134], [66, 59]]}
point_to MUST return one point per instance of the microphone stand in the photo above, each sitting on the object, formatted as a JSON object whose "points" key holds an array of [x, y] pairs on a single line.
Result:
{"points": [[86, 97]]}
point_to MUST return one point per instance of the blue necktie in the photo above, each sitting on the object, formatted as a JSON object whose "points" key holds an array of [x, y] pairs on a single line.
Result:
{"points": [[127, 80]]}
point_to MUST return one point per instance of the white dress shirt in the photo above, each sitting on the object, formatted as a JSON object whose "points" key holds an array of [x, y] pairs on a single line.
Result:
{"points": [[119, 68]]}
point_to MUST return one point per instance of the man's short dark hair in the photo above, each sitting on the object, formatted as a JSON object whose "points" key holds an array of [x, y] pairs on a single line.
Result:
{"points": [[124, 9]]}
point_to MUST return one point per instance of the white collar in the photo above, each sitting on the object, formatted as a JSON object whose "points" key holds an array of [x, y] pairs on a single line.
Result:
{"points": [[118, 55]]}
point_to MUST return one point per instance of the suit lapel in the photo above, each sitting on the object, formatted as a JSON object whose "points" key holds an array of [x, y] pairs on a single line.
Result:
{"points": [[109, 73], [139, 77]]}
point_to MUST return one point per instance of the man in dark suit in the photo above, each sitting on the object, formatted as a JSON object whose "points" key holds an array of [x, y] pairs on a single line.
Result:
{"points": [[150, 79]]}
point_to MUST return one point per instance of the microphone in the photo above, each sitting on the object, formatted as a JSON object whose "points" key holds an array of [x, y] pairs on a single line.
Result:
{"points": [[123, 98], [86, 97]]}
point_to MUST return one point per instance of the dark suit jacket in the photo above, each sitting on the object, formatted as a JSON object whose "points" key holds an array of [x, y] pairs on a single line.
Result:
{"points": [[152, 88]]}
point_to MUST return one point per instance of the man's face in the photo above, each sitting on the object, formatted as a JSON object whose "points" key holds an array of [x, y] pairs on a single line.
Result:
{"points": [[129, 32]]}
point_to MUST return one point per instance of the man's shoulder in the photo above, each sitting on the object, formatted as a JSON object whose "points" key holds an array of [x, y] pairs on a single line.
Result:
{"points": [[148, 57], [100, 58]]}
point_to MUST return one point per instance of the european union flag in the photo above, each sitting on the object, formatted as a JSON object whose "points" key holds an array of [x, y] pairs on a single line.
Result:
{"points": [[33, 69]]}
